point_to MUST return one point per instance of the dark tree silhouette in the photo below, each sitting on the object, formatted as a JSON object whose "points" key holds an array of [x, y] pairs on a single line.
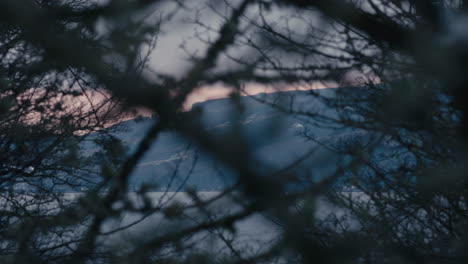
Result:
{"points": [[396, 190]]}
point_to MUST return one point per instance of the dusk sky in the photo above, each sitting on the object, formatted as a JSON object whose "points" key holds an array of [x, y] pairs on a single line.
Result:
{"points": [[187, 35]]}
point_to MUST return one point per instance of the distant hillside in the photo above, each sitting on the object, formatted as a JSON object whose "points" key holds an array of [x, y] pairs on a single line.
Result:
{"points": [[276, 138]]}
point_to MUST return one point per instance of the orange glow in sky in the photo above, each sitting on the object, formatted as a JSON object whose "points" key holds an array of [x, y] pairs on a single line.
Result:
{"points": [[206, 93]]}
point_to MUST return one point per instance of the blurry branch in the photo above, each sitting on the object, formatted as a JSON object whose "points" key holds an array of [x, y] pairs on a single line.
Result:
{"points": [[141, 253], [226, 37], [393, 46]]}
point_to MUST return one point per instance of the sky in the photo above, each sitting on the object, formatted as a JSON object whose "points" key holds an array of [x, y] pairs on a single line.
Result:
{"points": [[218, 91], [183, 36], [186, 33]]}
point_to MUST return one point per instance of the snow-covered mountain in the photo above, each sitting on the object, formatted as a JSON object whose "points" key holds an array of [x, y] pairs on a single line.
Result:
{"points": [[275, 136], [272, 133]]}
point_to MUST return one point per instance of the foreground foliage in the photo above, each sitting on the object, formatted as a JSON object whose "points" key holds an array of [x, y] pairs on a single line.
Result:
{"points": [[70, 68]]}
